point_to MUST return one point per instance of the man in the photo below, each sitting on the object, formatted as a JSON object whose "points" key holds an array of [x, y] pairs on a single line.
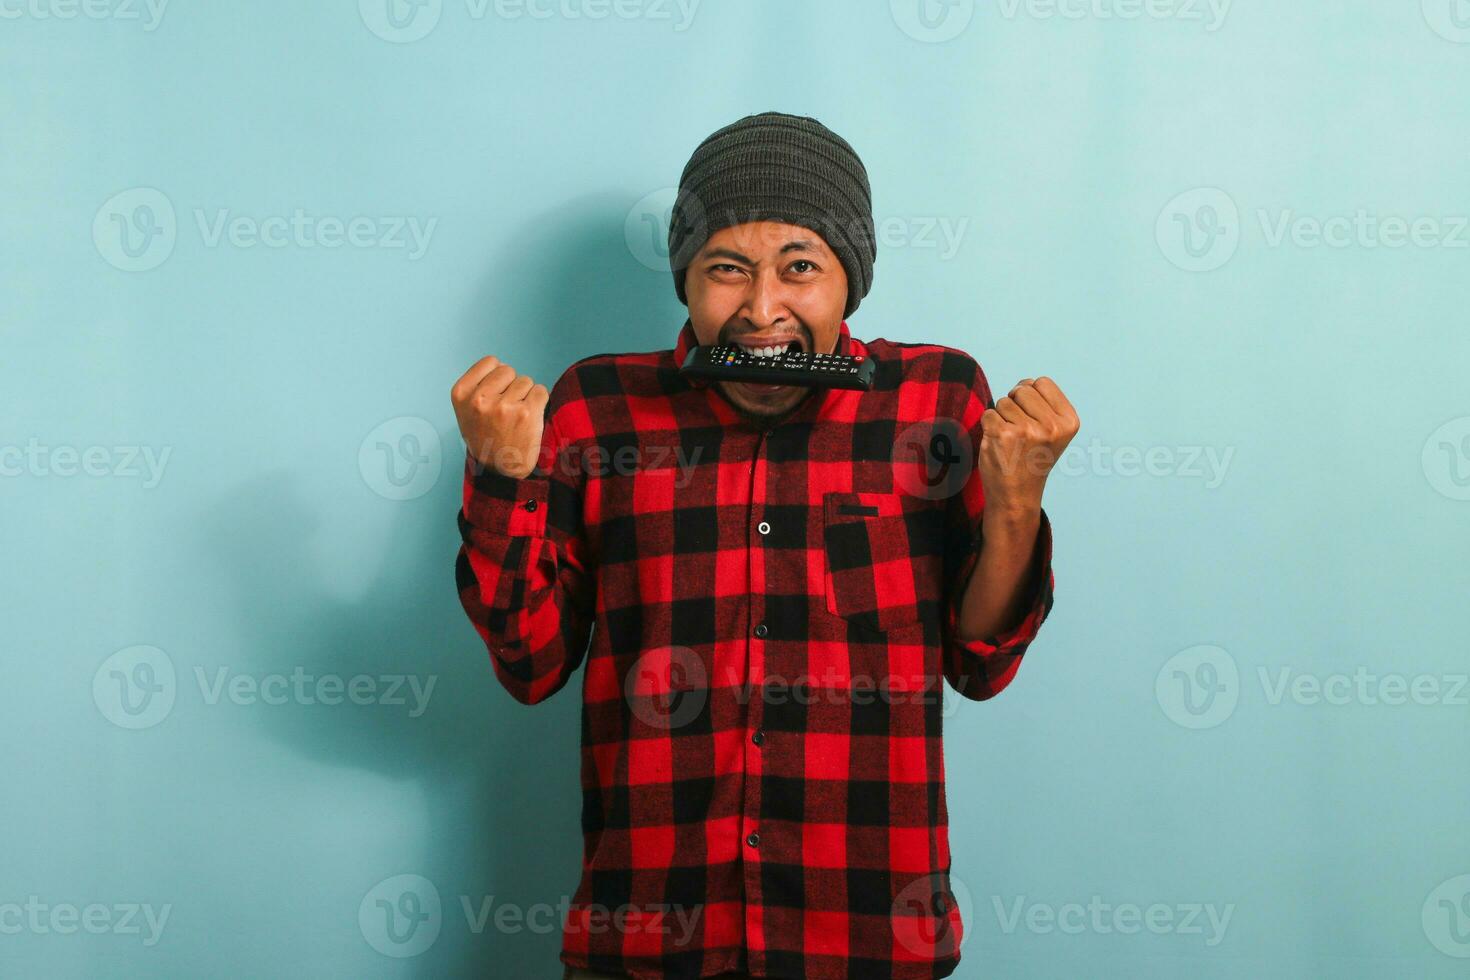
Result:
{"points": [[778, 577]]}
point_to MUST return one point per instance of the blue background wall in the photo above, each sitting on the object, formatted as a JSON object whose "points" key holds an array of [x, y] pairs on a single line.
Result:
{"points": [[1262, 523]]}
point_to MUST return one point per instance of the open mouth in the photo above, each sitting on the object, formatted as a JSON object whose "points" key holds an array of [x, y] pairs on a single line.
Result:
{"points": [[767, 348], [770, 348]]}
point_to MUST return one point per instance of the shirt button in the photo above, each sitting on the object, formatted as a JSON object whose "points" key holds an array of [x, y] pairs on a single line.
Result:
{"points": [[760, 629], [758, 737], [763, 527], [530, 505], [753, 839]]}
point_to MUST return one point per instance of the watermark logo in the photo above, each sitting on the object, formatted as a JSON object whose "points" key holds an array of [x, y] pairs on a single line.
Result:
{"points": [[135, 687], [1446, 917], [1199, 230], [933, 459], [401, 458], [646, 228], [667, 687], [1450, 19], [1446, 459], [135, 230], [400, 21], [932, 21], [928, 915], [401, 916], [1198, 687]]}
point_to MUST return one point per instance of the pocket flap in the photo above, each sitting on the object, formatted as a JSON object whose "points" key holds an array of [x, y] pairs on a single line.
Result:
{"points": [[858, 505]]}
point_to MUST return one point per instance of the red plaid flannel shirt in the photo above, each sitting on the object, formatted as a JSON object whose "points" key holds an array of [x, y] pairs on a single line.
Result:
{"points": [[761, 763]]}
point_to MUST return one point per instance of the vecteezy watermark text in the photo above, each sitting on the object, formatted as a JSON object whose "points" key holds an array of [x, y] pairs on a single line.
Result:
{"points": [[148, 12], [1103, 918], [646, 229], [937, 21], [97, 918], [299, 687], [579, 461], [1200, 687], [137, 229], [1201, 230], [36, 459], [669, 686], [303, 229], [137, 688], [1207, 463], [1211, 13], [402, 916], [406, 21]]}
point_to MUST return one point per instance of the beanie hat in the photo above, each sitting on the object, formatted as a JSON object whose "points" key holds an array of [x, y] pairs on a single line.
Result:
{"points": [[777, 167]]}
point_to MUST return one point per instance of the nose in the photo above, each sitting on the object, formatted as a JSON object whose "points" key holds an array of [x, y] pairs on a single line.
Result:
{"points": [[766, 300]]}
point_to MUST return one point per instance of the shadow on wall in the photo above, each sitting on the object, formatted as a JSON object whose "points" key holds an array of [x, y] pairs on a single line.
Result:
{"points": [[500, 781]]}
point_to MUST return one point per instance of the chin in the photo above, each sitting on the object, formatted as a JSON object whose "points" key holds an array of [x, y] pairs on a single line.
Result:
{"points": [[767, 411]]}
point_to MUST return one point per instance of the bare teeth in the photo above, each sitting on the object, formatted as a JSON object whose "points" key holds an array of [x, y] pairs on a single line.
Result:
{"points": [[773, 350]]}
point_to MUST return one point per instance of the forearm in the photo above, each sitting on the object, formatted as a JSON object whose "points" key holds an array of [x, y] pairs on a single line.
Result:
{"points": [[523, 581], [998, 592]]}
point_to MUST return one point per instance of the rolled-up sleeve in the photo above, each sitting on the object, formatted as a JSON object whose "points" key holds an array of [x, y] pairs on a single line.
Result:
{"points": [[980, 669], [522, 570]]}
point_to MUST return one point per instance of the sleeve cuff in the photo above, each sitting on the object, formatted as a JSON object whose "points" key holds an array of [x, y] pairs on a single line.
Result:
{"points": [[1038, 605], [496, 503]]}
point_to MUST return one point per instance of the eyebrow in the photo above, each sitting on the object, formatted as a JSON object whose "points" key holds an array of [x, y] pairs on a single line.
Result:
{"points": [[795, 245]]}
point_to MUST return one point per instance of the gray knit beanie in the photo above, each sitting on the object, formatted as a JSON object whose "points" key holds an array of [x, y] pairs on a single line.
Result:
{"points": [[777, 167]]}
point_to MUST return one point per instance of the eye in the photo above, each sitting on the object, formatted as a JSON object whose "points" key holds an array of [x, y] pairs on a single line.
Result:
{"points": [[804, 262]]}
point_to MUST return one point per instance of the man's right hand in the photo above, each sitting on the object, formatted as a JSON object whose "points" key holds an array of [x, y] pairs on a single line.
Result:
{"points": [[501, 416]]}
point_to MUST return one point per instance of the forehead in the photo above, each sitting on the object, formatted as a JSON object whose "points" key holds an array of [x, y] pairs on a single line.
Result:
{"points": [[764, 239]]}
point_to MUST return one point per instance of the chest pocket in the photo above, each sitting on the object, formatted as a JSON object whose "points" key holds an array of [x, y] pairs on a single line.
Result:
{"points": [[883, 559]]}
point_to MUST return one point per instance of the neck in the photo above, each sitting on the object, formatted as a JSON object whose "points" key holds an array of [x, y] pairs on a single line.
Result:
{"points": [[764, 420]]}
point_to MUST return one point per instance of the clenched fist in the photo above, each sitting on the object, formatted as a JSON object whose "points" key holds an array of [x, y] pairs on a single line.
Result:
{"points": [[501, 416], [1021, 439]]}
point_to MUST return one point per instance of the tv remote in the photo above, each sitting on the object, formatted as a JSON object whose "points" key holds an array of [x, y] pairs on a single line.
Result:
{"points": [[731, 362]]}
